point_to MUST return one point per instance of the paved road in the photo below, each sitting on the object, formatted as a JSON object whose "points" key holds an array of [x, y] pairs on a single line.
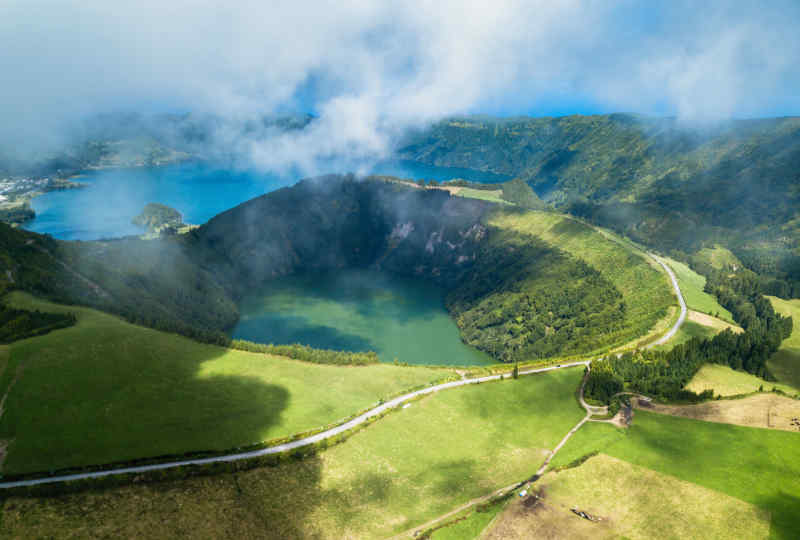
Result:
{"points": [[359, 419], [672, 331], [286, 446]]}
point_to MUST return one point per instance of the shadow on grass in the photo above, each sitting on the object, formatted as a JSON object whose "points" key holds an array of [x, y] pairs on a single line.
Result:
{"points": [[785, 508], [108, 392]]}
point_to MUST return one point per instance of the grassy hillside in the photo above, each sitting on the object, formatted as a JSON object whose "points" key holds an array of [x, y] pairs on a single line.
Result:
{"points": [[719, 257], [632, 502], [692, 284], [687, 331], [754, 465], [400, 472], [729, 382], [785, 364], [105, 390], [642, 164], [667, 185], [646, 291]]}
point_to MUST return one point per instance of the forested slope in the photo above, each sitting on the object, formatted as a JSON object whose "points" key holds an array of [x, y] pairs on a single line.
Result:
{"points": [[668, 185], [519, 285]]}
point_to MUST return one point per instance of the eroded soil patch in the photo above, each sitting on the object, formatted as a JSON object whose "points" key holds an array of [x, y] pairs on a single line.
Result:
{"points": [[761, 410]]}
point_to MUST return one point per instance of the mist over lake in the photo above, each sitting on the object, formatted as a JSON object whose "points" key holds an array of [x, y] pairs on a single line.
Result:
{"points": [[198, 190]]}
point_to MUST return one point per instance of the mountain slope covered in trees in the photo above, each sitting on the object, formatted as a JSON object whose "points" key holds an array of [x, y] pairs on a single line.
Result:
{"points": [[512, 290], [669, 185]]}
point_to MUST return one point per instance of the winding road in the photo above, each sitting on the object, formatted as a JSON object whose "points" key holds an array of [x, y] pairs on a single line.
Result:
{"points": [[358, 420], [674, 330]]}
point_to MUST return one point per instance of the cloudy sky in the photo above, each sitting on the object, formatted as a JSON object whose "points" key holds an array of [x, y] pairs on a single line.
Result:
{"points": [[371, 68]]}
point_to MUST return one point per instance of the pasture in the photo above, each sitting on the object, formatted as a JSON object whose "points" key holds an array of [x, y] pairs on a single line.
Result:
{"points": [[631, 502], [402, 471], [785, 363], [757, 466], [763, 410], [691, 284], [726, 381], [105, 391]]}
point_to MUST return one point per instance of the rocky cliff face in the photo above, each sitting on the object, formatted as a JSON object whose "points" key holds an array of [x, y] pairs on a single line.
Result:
{"points": [[340, 221]]}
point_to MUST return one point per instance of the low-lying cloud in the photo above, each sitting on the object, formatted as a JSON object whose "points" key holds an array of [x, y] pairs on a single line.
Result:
{"points": [[369, 70]]}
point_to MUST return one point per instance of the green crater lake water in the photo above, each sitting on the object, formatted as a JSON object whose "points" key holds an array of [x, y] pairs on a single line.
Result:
{"points": [[358, 310]]}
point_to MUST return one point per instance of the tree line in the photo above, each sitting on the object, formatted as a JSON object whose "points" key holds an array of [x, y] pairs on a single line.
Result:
{"points": [[665, 373], [18, 324]]}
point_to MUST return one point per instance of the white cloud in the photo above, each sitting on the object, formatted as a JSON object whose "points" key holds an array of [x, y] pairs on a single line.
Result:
{"points": [[379, 67]]}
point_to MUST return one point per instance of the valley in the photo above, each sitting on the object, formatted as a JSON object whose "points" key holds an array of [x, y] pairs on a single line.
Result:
{"points": [[427, 348]]}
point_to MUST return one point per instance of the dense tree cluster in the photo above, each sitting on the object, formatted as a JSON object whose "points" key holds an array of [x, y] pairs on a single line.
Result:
{"points": [[524, 299], [309, 354], [734, 183], [20, 324], [664, 374]]}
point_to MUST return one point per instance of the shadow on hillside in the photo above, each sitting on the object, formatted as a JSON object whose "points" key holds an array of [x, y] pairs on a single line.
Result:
{"points": [[784, 508], [107, 392]]}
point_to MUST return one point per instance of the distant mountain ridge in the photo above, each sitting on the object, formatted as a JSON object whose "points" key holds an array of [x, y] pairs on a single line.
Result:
{"points": [[668, 185]]}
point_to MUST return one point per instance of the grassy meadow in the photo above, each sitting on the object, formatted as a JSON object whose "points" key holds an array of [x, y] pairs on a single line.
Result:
{"points": [[692, 284], [472, 526], [494, 196], [719, 257], [400, 472], [646, 290], [726, 381], [105, 390], [757, 466], [632, 502], [785, 364], [687, 331]]}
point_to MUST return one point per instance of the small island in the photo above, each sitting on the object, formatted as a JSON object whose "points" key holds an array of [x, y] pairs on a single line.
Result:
{"points": [[159, 219], [16, 212]]}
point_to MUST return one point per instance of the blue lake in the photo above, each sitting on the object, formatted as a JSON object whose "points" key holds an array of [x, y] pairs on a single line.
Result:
{"points": [[199, 190]]}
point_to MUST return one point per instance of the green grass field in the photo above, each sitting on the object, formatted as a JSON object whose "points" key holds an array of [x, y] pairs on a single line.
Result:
{"points": [[719, 257], [472, 526], [691, 284], [404, 470], [785, 363], [758, 466], [105, 390], [482, 194], [631, 502], [646, 290], [726, 381], [687, 331]]}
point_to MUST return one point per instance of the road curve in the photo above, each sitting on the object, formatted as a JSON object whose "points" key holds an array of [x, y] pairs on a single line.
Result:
{"points": [[358, 420], [672, 331]]}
